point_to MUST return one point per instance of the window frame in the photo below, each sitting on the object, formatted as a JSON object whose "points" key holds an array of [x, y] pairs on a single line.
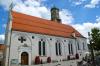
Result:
{"points": [[42, 47], [70, 48], [78, 46], [58, 48], [83, 46]]}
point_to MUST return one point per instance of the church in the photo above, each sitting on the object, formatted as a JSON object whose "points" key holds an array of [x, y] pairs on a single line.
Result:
{"points": [[31, 40]]}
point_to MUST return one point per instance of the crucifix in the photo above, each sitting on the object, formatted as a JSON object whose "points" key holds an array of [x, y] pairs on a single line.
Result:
{"points": [[22, 39]]}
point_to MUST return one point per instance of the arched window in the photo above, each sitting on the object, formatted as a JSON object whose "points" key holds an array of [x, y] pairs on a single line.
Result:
{"points": [[58, 48], [40, 48], [70, 47], [78, 46], [43, 48], [83, 46], [42, 51]]}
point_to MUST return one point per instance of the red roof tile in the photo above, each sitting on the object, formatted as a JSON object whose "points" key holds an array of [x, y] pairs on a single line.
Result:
{"points": [[26, 23]]}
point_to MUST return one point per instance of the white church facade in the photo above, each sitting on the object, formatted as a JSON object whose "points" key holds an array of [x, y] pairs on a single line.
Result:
{"points": [[33, 40]]}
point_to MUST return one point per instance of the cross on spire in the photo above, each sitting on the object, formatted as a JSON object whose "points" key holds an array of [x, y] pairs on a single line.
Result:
{"points": [[22, 39]]}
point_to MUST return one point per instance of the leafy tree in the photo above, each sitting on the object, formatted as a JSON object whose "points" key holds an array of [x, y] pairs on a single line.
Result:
{"points": [[95, 38]]}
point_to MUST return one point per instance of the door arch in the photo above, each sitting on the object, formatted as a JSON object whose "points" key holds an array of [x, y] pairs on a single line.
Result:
{"points": [[24, 58]]}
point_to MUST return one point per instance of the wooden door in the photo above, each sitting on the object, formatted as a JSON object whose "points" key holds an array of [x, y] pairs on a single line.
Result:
{"points": [[24, 58]]}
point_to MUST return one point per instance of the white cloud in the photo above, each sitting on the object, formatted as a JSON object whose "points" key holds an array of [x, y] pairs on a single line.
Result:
{"points": [[2, 37], [92, 4], [86, 27], [4, 26], [98, 19], [66, 16], [5, 3], [35, 8], [78, 2]]}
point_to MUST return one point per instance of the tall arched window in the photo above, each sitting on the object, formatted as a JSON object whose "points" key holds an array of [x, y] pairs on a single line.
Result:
{"points": [[42, 50], [83, 46], [78, 46], [58, 48], [70, 47]]}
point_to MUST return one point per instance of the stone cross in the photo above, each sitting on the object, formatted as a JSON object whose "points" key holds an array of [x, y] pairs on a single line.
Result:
{"points": [[22, 39]]}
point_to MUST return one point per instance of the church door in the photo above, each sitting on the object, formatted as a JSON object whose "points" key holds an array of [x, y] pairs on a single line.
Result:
{"points": [[24, 58]]}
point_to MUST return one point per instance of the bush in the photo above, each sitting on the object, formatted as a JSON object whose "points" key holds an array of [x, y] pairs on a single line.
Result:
{"points": [[68, 57], [77, 56], [37, 60], [49, 60]]}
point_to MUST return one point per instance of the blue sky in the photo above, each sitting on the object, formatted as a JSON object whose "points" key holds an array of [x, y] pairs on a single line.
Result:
{"points": [[81, 14], [3, 20]]}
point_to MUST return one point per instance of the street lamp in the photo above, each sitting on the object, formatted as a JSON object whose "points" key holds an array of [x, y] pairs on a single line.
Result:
{"points": [[91, 49]]}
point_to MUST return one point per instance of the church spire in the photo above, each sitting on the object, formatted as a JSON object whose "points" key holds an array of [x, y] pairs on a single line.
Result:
{"points": [[55, 14]]}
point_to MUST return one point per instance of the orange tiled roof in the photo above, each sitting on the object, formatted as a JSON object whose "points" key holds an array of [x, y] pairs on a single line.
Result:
{"points": [[26, 23]]}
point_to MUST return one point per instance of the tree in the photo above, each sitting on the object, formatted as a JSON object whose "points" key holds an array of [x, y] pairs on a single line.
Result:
{"points": [[95, 38]]}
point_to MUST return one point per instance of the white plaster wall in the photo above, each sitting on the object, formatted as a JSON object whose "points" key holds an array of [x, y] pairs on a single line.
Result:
{"points": [[32, 49]]}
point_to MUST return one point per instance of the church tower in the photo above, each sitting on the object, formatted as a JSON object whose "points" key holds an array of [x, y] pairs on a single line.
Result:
{"points": [[55, 15]]}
